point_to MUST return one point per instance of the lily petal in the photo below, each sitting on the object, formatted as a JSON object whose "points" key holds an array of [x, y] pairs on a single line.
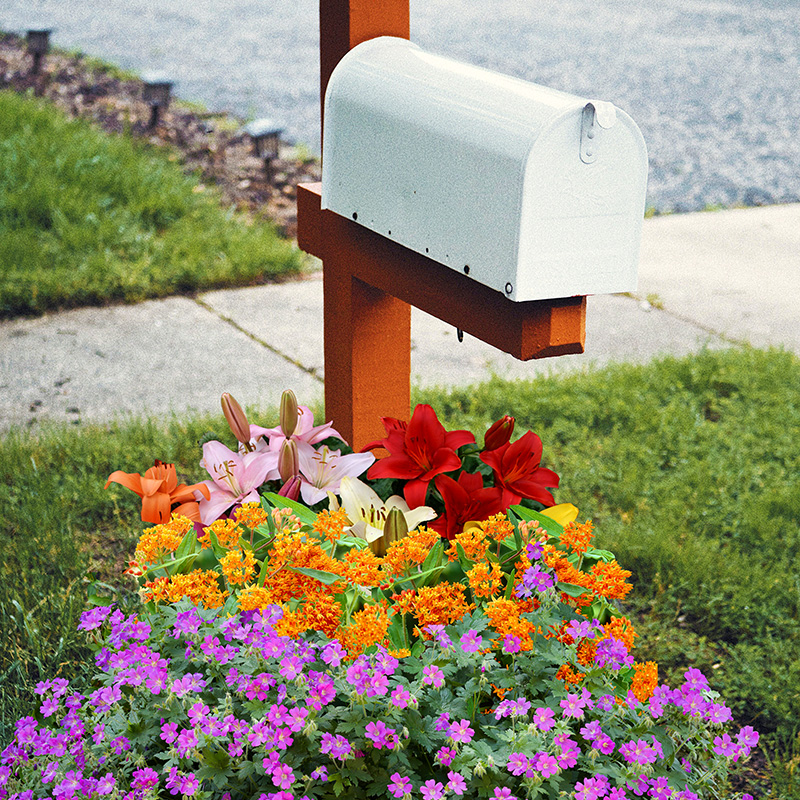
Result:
{"points": [[156, 508], [130, 480], [563, 513]]}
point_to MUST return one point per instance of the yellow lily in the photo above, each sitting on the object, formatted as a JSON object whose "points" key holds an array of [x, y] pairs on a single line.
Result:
{"points": [[368, 513], [563, 513]]}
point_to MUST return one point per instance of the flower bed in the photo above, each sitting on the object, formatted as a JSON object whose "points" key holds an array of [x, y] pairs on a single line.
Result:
{"points": [[440, 630]]}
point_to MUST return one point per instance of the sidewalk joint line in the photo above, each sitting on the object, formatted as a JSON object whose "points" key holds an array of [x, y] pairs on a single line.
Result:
{"points": [[681, 318], [308, 370]]}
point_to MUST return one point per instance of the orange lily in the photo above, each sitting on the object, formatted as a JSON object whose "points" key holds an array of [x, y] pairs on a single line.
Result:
{"points": [[159, 490]]}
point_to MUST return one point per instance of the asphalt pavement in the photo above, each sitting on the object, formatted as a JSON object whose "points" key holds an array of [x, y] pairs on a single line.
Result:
{"points": [[713, 85], [712, 279]]}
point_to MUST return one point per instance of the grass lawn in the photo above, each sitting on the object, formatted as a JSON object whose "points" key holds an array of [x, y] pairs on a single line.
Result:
{"points": [[88, 218], [688, 467]]}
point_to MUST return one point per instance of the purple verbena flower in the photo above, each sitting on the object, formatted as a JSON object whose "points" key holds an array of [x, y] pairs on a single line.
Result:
{"points": [[471, 642], [456, 783], [94, 618], [400, 786], [612, 652], [380, 735], [445, 756], [432, 790], [544, 718], [461, 732], [433, 675], [517, 764]]}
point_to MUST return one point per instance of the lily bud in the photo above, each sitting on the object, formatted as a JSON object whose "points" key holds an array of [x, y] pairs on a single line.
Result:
{"points": [[499, 433], [291, 489], [378, 546], [237, 420], [287, 460], [395, 527], [288, 413]]}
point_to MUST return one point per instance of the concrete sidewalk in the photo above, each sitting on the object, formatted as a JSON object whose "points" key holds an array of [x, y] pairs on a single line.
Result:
{"points": [[711, 279]]}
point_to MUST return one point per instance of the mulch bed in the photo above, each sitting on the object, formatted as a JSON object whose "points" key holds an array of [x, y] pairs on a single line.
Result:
{"points": [[211, 145]]}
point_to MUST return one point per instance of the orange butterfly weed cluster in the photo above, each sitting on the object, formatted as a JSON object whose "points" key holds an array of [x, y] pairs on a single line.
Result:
{"points": [[362, 593]]}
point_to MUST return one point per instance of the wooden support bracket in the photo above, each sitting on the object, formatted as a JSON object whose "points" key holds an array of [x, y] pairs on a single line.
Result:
{"points": [[534, 329]]}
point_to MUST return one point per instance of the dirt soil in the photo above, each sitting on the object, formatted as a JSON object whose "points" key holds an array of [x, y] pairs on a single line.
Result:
{"points": [[210, 145]]}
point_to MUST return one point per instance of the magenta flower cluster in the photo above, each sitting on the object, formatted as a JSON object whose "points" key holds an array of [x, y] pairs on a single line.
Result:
{"points": [[214, 705]]}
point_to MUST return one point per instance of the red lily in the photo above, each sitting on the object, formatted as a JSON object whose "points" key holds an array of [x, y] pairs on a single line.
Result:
{"points": [[516, 469], [465, 500], [499, 433], [418, 451], [159, 490]]}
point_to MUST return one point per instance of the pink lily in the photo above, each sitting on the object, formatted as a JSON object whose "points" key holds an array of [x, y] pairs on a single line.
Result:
{"points": [[306, 433], [235, 478], [321, 471]]}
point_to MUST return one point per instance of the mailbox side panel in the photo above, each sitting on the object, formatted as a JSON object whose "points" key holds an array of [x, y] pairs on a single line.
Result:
{"points": [[432, 154]]}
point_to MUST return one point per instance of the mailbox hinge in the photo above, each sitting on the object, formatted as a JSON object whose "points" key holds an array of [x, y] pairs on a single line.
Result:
{"points": [[596, 116]]}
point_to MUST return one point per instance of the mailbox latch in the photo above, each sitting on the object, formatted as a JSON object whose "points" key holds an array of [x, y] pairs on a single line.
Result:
{"points": [[597, 115]]}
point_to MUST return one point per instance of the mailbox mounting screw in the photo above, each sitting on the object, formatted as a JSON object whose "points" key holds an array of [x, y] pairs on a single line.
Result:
{"points": [[509, 288], [355, 215], [466, 269]]}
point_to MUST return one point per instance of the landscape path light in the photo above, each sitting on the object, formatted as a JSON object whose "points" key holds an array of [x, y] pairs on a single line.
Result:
{"points": [[38, 44], [157, 88], [266, 136]]}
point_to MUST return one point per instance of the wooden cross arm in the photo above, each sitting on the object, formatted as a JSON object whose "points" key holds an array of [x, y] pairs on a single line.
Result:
{"points": [[535, 329]]}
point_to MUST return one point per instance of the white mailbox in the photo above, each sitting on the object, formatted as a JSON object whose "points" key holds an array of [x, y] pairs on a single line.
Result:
{"points": [[529, 190]]}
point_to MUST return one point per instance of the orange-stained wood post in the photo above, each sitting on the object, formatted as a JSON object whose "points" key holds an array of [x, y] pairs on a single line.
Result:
{"points": [[369, 281], [367, 332]]}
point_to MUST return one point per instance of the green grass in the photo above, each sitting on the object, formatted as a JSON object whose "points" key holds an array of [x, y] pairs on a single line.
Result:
{"points": [[87, 218], [689, 468]]}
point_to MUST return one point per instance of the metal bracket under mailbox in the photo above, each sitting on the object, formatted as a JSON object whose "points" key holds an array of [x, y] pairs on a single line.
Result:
{"points": [[596, 116]]}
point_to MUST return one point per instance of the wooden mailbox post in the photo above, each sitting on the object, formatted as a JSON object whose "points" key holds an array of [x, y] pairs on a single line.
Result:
{"points": [[371, 282]]}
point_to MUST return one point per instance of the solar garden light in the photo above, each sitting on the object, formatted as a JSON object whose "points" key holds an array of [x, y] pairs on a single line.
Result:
{"points": [[156, 94], [38, 43], [266, 138]]}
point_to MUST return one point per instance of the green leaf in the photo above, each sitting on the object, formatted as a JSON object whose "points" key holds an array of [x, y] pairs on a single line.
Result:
{"points": [[174, 567], [514, 520], [550, 525], [420, 578], [604, 555], [188, 545], [466, 563], [572, 589], [305, 515], [216, 548], [216, 757], [94, 598], [396, 632], [262, 575], [328, 578], [265, 505], [434, 557], [350, 543], [264, 531]]}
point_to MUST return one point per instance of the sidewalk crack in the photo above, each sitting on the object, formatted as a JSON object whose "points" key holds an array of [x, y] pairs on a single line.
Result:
{"points": [[294, 362], [688, 320]]}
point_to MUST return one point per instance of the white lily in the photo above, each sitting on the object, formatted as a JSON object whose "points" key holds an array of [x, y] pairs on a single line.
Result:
{"points": [[369, 513], [321, 471]]}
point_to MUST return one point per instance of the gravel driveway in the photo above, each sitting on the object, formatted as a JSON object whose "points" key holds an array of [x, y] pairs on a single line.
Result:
{"points": [[714, 86]]}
